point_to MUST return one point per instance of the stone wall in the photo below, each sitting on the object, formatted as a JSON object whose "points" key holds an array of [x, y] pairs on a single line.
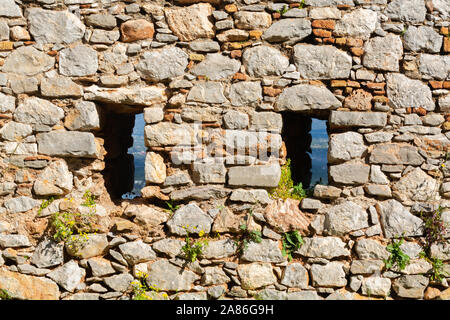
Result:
{"points": [[215, 79]]}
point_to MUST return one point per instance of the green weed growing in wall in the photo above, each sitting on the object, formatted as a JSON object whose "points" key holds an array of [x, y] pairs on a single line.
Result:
{"points": [[291, 241], [397, 257]]}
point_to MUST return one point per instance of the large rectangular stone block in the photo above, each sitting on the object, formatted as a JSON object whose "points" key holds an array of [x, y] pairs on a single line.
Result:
{"points": [[67, 144], [357, 119], [256, 176]]}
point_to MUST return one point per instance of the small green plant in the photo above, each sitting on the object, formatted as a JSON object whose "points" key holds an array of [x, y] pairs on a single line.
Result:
{"points": [[404, 31], [193, 249], [397, 257], [434, 229], [283, 10], [89, 199], [247, 235], [141, 288], [172, 207], [291, 241], [286, 188], [437, 267], [45, 203], [4, 295]]}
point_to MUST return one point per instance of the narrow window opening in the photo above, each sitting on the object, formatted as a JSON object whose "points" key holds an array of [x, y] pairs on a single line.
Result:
{"points": [[306, 141], [125, 154]]}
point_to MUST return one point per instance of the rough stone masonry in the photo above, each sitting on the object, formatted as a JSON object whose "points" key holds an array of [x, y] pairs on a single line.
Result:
{"points": [[213, 79]]}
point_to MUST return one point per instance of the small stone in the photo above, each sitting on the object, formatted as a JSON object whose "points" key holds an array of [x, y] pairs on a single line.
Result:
{"points": [[190, 23], [66, 27], [410, 286], [55, 179], [68, 275], [359, 100], [383, 53], [358, 23], [120, 282], [252, 20], [78, 61], [255, 61], [422, 38], [101, 20], [346, 146], [216, 67], [328, 62], [376, 286], [191, 217], [134, 30], [329, 275], [285, 216], [28, 61], [165, 276], [345, 217], [67, 143], [60, 87], [137, 252], [352, 172], [160, 65], [292, 30], [155, 169], [83, 248], [256, 275], [295, 276], [20, 204]]}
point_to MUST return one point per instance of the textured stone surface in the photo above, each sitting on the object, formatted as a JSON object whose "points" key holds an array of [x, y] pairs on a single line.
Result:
{"points": [[256, 275], [344, 218], [67, 144], [416, 185], [245, 93], [68, 275], [412, 11], [350, 173], [56, 179], [134, 30], [28, 61], [78, 61], [397, 220], [94, 245], [383, 53], [265, 251], [209, 92], [323, 247], [60, 87], [165, 276], [304, 97], [66, 27], [346, 146], [141, 96], [256, 176], [137, 252], [357, 119], [26, 287], [190, 217], [422, 39], [161, 65], [295, 276], [155, 169], [263, 61], [216, 66], [410, 286], [292, 30], [359, 23], [404, 92], [10, 9], [395, 153], [321, 62], [329, 275], [434, 67], [190, 23]]}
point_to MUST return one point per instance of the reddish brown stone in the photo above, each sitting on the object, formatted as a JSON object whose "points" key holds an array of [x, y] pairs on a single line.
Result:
{"points": [[381, 99], [323, 24], [6, 45], [431, 293], [420, 111], [236, 54], [436, 84], [239, 76], [341, 41], [379, 92], [353, 84], [276, 15], [322, 33], [359, 100], [445, 31], [376, 85], [338, 83], [447, 44], [318, 40], [352, 42], [230, 8], [357, 51], [271, 91], [446, 85], [255, 34], [134, 30], [329, 40]]}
